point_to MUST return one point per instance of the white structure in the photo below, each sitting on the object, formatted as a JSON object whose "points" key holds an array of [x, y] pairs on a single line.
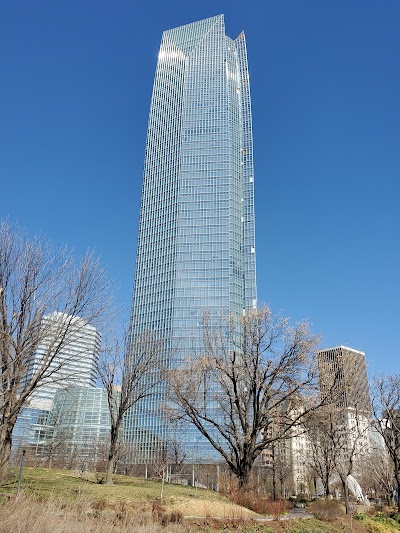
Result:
{"points": [[73, 345], [300, 451], [377, 442], [356, 490]]}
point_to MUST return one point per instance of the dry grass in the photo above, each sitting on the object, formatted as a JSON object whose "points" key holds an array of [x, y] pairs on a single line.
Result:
{"points": [[36, 515], [216, 509], [69, 485], [326, 510], [128, 493], [30, 514], [61, 501]]}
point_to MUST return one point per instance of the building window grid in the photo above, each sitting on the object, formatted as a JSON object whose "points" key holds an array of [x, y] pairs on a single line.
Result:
{"points": [[186, 160]]}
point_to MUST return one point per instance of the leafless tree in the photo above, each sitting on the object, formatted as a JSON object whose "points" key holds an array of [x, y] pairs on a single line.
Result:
{"points": [[378, 475], [129, 372], [386, 409], [171, 460], [325, 443], [175, 451], [348, 432], [36, 281], [257, 372], [337, 435], [57, 436], [281, 467]]}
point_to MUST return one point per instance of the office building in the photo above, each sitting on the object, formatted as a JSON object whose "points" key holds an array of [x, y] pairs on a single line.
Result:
{"points": [[196, 247], [74, 352], [80, 422], [31, 430], [75, 432], [343, 375], [343, 378], [286, 461]]}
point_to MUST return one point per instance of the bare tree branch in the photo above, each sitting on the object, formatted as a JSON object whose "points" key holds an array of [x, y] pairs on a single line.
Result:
{"points": [[129, 371], [386, 409], [34, 282], [256, 372]]}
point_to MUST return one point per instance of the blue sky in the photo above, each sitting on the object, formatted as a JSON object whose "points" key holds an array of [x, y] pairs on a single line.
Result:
{"points": [[76, 81]]}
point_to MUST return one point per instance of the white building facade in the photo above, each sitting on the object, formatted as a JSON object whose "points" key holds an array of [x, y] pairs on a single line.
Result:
{"points": [[73, 346]]}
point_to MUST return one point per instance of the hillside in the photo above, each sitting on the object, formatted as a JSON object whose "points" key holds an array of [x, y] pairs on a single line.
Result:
{"points": [[66, 501]]}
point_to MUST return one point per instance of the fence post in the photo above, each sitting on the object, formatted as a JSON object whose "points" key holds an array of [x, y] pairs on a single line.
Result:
{"points": [[21, 466]]}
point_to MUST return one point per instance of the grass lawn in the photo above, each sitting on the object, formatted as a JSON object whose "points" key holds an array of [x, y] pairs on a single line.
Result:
{"points": [[70, 486], [65, 501]]}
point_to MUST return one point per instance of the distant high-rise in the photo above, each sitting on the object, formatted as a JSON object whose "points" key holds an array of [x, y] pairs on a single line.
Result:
{"points": [[196, 245], [343, 373], [74, 363], [343, 376]]}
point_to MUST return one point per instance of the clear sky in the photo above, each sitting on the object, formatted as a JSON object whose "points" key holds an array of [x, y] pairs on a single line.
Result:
{"points": [[75, 87]]}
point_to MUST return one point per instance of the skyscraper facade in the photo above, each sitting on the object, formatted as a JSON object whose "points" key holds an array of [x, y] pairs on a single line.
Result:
{"points": [[343, 376], [196, 245], [80, 422], [343, 373], [75, 363]]}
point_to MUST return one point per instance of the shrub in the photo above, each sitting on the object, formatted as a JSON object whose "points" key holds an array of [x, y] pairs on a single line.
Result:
{"points": [[259, 504], [99, 504], [159, 514], [361, 516], [100, 478], [176, 517], [387, 520], [276, 508], [326, 510], [395, 516]]}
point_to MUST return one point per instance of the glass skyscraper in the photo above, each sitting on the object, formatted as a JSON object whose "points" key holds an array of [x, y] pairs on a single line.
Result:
{"points": [[196, 247]]}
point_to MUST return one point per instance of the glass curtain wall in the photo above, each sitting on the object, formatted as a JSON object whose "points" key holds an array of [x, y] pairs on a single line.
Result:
{"points": [[196, 247]]}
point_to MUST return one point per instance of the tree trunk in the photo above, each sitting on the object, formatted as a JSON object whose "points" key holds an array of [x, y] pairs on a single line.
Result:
{"points": [[273, 484], [326, 486], [397, 477], [50, 456], [110, 468], [244, 474], [273, 475], [112, 453], [5, 450], [162, 484], [346, 494]]}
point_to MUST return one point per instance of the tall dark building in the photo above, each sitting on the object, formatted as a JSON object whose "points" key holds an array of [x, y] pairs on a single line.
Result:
{"points": [[343, 372]]}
